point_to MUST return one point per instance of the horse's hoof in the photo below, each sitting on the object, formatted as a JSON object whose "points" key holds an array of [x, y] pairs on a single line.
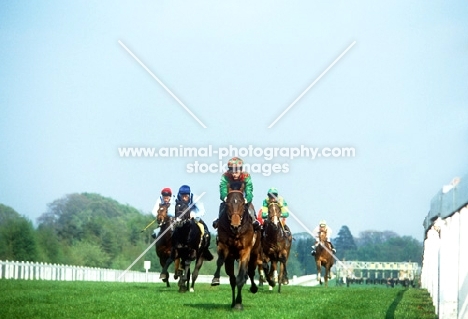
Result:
{"points": [[253, 289], [215, 282], [162, 276], [191, 290], [270, 288], [238, 306]]}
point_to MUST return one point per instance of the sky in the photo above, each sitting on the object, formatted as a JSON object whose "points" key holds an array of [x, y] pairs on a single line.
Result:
{"points": [[80, 80]]}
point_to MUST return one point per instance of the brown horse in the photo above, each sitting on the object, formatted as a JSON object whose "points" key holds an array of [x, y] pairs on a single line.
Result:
{"points": [[323, 257], [164, 244], [237, 240], [276, 246]]}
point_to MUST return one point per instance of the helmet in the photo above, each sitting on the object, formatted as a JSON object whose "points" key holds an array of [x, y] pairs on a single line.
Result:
{"points": [[323, 223], [235, 162], [166, 192], [184, 189], [273, 191]]}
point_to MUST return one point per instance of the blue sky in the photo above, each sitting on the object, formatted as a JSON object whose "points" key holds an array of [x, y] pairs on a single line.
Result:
{"points": [[71, 95]]}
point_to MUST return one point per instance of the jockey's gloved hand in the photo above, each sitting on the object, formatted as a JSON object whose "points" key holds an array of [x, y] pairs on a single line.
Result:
{"points": [[178, 219], [192, 214], [245, 200]]}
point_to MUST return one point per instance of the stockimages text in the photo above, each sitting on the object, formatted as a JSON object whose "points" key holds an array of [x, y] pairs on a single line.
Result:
{"points": [[222, 153]]}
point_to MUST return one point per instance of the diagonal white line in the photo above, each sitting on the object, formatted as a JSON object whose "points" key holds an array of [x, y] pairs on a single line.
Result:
{"points": [[310, 86], [154, 242], [162, 84]]}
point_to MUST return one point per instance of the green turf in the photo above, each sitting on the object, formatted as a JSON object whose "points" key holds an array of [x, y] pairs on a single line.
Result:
{"points": [[49, 299]]}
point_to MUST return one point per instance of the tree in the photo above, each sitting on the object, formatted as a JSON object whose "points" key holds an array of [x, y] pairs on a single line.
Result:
{"points": [[17, 236], [344, 241]]}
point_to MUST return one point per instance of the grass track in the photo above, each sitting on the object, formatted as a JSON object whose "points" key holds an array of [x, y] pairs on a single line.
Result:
{"points": [[52, 299]]}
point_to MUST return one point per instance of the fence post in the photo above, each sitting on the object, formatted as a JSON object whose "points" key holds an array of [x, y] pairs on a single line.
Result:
{"points": [[448, 273]]}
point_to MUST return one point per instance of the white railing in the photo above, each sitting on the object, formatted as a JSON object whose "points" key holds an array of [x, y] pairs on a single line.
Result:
{"points": [[445, 259], [43, 271], [378, 270]]}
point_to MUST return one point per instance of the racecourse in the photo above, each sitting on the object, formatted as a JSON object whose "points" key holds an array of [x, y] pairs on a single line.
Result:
{"points": [[65, 299]]}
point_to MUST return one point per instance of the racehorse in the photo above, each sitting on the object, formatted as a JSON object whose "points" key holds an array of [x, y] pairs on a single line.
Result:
{"points": [[276, 246], [187, 245], [237, 240], [164, 244], [323, 257]]}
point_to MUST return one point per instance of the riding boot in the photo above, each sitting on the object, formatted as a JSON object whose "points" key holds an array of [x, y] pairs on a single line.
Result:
{"points": [[222, 207], [312, 252], [206, 237], [332, 247], [256, 224]]}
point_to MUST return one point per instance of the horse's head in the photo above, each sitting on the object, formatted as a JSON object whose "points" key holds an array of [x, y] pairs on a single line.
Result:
{"points": [[182, 210], [162, 216], [235, 203], [274, 212]]}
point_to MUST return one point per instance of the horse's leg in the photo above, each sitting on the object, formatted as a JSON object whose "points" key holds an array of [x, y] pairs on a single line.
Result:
{"points": [[327, 269], [241, 276], [165, 260], [165, 263], [196, 270], [229, 268], [219, 264], [251, 271], [176, 268], [183, 279], [270, 277], [319, 270]]}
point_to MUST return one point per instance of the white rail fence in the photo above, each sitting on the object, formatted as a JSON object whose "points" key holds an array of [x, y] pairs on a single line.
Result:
{"points": [[43, 271], [445, 258], [374, 272]]}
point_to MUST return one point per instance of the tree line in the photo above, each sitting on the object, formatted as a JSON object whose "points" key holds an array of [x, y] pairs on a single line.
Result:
{"points": [[90, 230]]}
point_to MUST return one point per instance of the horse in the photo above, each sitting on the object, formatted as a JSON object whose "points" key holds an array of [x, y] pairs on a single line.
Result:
{"points": [[323, 257], [237, 240], [276, 246], [188, 245], [164, 244]]}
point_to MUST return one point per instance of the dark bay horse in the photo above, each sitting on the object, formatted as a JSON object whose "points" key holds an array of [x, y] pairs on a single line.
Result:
{"points": [[276, 246], [188, 245], [164, 243], [237, 240], [323, 257]]}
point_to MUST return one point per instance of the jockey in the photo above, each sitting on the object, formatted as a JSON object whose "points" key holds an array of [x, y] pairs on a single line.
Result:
{"points": [[273, 197], [316, 231], [197, 210], [233, 174], [168, 199]]}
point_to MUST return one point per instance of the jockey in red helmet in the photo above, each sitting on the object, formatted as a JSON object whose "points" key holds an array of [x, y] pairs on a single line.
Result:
{"points": [[168, 199]]}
